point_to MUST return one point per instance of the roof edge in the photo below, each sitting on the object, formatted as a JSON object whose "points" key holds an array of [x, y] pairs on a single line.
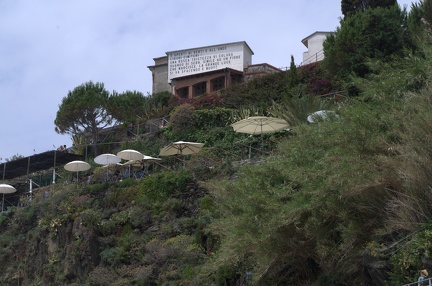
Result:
{"points": [[212, 46]]}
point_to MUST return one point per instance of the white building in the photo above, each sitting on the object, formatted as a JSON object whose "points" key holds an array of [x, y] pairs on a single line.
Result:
{"points": [[314, 43], [197, 71]]}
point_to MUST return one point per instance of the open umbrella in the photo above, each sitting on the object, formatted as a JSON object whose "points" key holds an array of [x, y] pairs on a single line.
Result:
{"points": [[134, 163], [260, 125], [150, 159], [130, 154], [181, 148], [322, 115], [77, 166], [6, 189], [107, 159], [145, 160]]}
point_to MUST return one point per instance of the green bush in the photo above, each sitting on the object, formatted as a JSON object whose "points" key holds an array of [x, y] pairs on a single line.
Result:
{"points": [[113, 256], [91, 218], [3, 219], [375, 33], [160, 186], [182, 121]]}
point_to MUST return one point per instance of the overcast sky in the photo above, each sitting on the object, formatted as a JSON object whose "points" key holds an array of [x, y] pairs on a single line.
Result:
{"points": [[49, 47]]}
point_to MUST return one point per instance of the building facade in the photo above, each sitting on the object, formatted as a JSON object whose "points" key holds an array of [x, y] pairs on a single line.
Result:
{"points": [[192, 72], [314, 43]]}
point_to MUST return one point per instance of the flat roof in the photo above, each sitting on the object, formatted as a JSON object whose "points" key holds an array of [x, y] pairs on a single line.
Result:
{"points": [[304, 41], [226, 44], [35, 163]]}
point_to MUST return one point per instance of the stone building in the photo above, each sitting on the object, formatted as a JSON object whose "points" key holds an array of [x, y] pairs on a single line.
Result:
{"points": [[192, 72]]}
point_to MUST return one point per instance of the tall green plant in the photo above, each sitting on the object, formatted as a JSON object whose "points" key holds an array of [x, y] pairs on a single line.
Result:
{"points": [[375, 33], [296, 110]]}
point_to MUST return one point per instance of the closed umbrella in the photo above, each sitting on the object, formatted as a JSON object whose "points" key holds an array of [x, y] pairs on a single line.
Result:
{"points": [[6, 189], [77, 166]]}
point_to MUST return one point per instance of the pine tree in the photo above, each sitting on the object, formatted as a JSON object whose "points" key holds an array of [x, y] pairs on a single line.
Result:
{"points": [[350, 7], [293, 79]]}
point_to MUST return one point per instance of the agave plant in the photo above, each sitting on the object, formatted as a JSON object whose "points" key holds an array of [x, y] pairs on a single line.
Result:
{"points": [[245, 112], [295, 110]]}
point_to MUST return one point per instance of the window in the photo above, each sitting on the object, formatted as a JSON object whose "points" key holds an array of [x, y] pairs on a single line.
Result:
{"points": [[183, 92], [199, 88], [217, 83]]}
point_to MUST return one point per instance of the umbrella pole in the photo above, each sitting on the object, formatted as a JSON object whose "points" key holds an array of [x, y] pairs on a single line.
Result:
{"points": [[3, 203], [262, 144], [262, 141]]}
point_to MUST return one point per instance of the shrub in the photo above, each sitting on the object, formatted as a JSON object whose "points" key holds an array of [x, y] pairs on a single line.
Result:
{"points": [[3, 220], [102, 276], [91, 218], [159, 187], [182, 120], [113, 256]]}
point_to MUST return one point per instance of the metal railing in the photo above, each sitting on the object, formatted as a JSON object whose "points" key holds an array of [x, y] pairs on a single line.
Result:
{"points": [[319, 56], [421, 284]]}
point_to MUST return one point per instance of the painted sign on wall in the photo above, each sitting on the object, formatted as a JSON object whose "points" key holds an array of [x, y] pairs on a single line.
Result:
{"points": [[200, 60]]}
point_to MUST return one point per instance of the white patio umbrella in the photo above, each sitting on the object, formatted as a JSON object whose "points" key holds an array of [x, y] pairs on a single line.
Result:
{"points": [[321, 115], [77, 166], [150, 159], [107, 159], [260, 125], [6, 189], [139, 163], [135, 163], [181, 148], [130, 154], [146, 159]]}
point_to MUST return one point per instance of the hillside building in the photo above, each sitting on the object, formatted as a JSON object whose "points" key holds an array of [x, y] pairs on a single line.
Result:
{"points": [[204, 70], [314, 42], [192, 72]]}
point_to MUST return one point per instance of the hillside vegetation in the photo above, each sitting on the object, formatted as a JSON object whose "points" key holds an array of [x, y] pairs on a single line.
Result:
{"points": [[345, 201]]}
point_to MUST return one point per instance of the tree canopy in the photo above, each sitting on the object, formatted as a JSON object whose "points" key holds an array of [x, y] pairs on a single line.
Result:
{"points": [[84, 110], [126, 106], [376, 33], [350, 7]]}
